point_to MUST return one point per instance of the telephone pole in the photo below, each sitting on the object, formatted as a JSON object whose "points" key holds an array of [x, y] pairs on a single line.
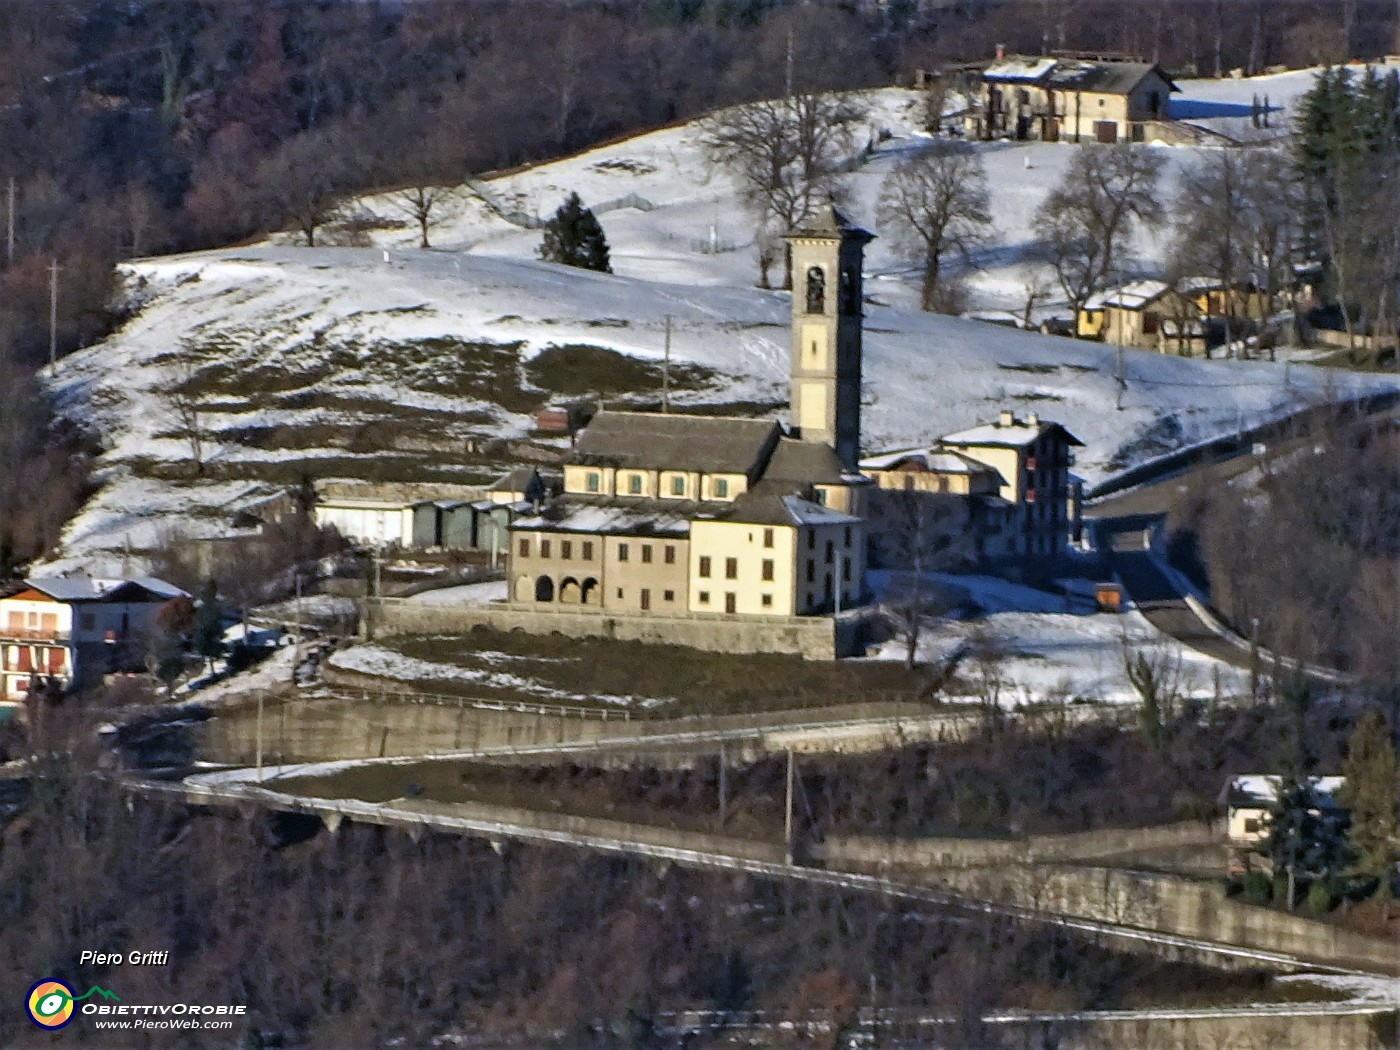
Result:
{"points": [[787, 813], [53, 311], [10, 225], [666, 371]]}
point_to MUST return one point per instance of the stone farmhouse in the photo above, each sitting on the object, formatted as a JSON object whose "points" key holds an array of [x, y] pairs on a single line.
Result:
{"points": [[1071, 99], [73, 630]]}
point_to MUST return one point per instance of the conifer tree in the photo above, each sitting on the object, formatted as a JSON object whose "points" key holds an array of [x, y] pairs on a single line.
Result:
{"points": [[1305, 836], [206, 636], [574, 237], [1372, 795]]}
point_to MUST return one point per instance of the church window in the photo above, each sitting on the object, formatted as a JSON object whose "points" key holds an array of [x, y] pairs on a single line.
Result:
{"points": [[678, 486], [634, 484], [816, 291], [544, 548], [592, 482], [721, 488], [587, 550]]}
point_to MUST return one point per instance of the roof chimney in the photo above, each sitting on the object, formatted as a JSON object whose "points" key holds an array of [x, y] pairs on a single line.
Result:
{"points": [[1007, 418], [1032, 419], [1001, 52]]}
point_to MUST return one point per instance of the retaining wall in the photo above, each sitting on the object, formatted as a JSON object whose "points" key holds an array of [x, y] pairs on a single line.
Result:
{"points": [[811, 637]]}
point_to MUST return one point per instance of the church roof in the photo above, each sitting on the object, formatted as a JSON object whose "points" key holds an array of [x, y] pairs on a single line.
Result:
{"points": [[828, 222], [808, 462], [660, 441], [754, 508]]}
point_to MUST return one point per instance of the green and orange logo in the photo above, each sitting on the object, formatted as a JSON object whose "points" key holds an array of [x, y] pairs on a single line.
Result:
{"points": [[51, 1002]]}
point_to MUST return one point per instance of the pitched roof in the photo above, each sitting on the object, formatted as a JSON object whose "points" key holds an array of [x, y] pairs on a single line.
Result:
{"points": [[935, 461], [828, 222], [1261, 789], [658, 441], [1103, 76], [90, 588], [754, 508], [1017, 433], [811, 462], [605, 515], [1132, 296]]}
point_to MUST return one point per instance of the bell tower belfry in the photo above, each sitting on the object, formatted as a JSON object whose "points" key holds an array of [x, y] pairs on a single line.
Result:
{"points": [[826, 253]]}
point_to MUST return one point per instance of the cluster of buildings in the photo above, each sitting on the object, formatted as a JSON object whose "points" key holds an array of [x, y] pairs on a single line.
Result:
{"points": [[1185, 318]]}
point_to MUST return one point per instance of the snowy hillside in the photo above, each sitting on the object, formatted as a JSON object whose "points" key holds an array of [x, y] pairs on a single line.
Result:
{"points": [[672, 216], [337, 363]]}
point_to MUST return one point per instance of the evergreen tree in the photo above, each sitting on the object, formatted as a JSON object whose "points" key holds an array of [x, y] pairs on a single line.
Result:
{"points": [[207, 634], [1305, 836], [1372, 795], [574, 237]]}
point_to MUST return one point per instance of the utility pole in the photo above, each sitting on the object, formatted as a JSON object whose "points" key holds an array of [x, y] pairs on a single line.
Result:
{"points": [[666, 371], [1120, 378], [787, 82], [10, 225], [787, 816], [723, 785], [259, 735], [53, 311]]}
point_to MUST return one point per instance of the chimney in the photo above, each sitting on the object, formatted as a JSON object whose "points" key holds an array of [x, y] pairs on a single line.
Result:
{"points": [[1001, 52], [1032, 419], [1007, 418]]}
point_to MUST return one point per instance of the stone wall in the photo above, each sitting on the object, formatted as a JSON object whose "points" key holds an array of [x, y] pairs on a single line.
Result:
{"points": [[971, 853], [811, 637]]}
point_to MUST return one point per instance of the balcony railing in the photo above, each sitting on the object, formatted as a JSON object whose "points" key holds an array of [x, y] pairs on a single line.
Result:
{"points": [[32, 634]]}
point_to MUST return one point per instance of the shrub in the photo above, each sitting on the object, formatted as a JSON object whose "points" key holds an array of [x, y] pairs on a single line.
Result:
{"points": [[1320, 898], [1258, 889]]}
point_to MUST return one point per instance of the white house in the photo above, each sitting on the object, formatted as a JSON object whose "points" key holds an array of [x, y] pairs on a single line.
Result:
{"points": [[73, 629], [1248, 797]]}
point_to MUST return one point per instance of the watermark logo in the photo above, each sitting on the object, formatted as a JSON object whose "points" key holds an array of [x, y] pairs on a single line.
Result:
{"points": [[51, 1003]]}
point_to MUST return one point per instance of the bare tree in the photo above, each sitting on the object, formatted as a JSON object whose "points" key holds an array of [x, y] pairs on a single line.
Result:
{"points": [[922, 533], [304, 183], [420, 203], [787, 155], [1156, 675], [1089, 218], [182, 398], [935, 203]]}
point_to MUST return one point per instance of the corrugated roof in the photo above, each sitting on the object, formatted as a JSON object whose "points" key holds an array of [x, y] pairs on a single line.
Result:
{"points": [[659, 441]]}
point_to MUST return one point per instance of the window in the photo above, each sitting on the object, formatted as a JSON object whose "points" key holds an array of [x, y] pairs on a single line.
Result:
{"points": [[634, 484], [828, 552], [731, 602], [848, 536], [88, 621], [850, 294], [768, 538], [846, 571], [646, 553], [731, 568], [821, 497], [622, 552], [811, 538], [592, 482], [678, 486], [705, 567], [544, 548], [669, 596], [767, 601], [768, 569], [1251, 825], [566, 549], [619, 594], [587, 550], [816, 291], [668, 554], [646, 599], [524, 548], [721, 488], [811, 570], [704, 597]]}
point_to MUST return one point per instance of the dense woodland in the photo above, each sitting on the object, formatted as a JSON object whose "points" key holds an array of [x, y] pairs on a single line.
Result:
{"points": [[364, 936]]}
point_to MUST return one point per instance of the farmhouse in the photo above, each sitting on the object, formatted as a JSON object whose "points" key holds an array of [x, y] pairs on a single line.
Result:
{"points": [[73, 630], [1070, 99], [1247, 799], [1185, 318]]}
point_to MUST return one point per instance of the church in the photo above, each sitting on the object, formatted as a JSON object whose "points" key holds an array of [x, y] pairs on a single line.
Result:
{"points": [[668, 514]]}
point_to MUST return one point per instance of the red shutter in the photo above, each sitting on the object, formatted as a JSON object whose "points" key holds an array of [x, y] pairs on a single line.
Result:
{"points": [[55, 661], [25, 661]]}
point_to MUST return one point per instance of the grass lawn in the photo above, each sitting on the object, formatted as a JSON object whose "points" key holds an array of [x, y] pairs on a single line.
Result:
{"points": [[694, 682]]}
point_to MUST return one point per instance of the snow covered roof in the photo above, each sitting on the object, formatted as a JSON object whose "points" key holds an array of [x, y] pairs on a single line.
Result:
{"points": [[1019, 67], [634, 517], [1132, 296], [92, 588], [1009, 431], [1261, 789], [673, 441], [932, 460], [376, 495], [759, 509], [1104, 76]]}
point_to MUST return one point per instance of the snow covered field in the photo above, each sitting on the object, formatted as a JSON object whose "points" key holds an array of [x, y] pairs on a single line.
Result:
{"points": [[382, 362]]}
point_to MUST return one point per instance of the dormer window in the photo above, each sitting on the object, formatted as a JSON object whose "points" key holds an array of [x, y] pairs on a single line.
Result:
{"points": [[816, 291]]}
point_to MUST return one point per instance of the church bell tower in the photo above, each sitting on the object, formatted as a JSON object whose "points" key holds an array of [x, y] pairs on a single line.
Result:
{"points": [[826, 253]]}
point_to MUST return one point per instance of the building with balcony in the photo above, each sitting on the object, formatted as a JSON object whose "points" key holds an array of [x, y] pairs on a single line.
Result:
{"points": [[72, 630]]}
